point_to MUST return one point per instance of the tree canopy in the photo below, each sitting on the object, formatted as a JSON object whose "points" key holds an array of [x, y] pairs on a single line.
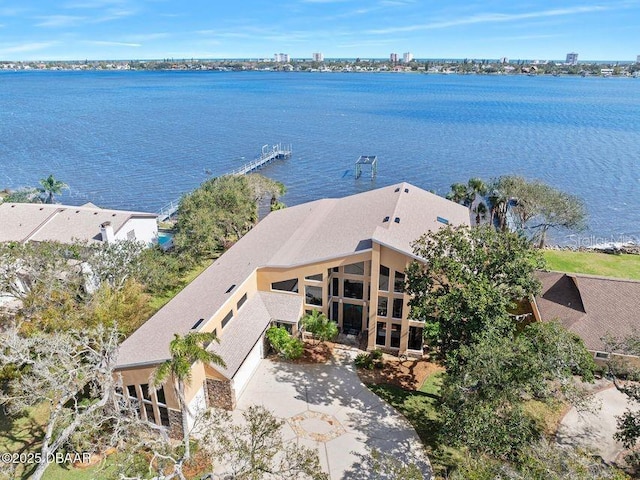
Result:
{"points": [[220, 212], [536, 206], [486, 388], [468, 280]]}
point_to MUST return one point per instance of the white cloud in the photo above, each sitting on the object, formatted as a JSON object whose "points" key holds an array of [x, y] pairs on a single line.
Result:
{"points": [[145, 37], [112, 14], [60, 21], [25, 47], [490, 18], [94, 4], [104, 43]]}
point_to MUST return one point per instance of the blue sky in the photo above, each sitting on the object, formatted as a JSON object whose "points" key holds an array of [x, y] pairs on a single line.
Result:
{"points": [[144, 29]]}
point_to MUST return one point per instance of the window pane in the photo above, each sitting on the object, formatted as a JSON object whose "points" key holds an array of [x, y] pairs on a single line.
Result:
{"points": [[160, 395], [315, 278], [397, 308], [164, 416], [381, 333], [398, 282], [242, 300], [286, 285], [382, 306], [353, 289], [313, 295], [227, 318], [395, 336], [384, 279], [335, 287], [131, 390], [148, 408], [355, 268], [335, 309], [415, 338], [145, 391]]}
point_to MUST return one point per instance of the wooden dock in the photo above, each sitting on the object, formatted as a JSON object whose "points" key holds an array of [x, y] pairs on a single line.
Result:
{"points": [[268, 154]]}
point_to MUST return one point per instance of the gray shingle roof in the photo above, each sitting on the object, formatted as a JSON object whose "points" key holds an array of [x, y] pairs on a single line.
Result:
{"points": [[22, 222], [243, 332], [306, 233], [590, 306]]}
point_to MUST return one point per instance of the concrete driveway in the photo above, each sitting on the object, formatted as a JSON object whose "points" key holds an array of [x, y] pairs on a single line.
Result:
{"points": [[326, 407], [595, 430]]}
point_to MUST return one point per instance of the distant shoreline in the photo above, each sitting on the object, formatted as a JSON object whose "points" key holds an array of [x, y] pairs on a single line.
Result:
{"points": [[443, 67]]}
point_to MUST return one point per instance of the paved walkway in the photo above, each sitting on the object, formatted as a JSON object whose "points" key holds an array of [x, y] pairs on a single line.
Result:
{"points": [[595, 429], [326, 407]]}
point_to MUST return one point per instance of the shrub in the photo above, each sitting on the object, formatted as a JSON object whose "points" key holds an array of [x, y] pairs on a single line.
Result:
{"points": [[364, 360], [376, 354], [284, 344], [320, 326]]}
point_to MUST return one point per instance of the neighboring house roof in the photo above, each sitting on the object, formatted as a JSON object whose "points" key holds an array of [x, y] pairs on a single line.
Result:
{"points": [[24, 222], [303, 234], [592, 307], [244, 331]]}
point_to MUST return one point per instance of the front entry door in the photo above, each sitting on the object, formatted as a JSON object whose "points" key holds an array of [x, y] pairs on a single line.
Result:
{"points": [[351, 318]]}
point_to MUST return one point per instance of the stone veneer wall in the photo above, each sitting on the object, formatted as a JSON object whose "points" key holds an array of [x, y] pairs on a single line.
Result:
{"points": [[220, 394], [175, 424]]}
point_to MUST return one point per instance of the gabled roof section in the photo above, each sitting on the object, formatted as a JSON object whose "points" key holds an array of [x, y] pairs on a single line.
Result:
{"points": [[303, 234], [24, 222], [244, 331], [592, 307]]}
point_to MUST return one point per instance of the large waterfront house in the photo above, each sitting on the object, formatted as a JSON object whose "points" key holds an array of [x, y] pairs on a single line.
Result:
{"points": [[37, 222], [345, 257], [594, 308]]}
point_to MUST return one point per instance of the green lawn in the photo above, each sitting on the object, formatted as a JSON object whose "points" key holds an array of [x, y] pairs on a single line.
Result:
{"points": [[159, 301], [619, 266], [421, 409]]}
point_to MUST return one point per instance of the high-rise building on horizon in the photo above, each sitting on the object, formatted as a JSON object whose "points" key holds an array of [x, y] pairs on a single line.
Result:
{"points": [[407, 57], [318, 57], [393, 57], [638, 59], [572, 58], [281, 57]]}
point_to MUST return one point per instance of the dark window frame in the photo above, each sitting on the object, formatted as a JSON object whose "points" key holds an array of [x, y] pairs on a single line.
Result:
{"points": [[397, 308], [293, 285]]}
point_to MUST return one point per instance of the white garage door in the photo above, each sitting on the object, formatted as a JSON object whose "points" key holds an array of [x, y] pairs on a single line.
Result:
{"points": [[244, 373]]}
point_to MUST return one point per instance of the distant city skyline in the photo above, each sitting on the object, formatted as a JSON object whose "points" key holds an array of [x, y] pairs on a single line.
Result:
{"points": [[157, 29]]}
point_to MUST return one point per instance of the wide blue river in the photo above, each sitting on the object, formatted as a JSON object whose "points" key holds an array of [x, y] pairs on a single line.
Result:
{"points": [[137, 140]]}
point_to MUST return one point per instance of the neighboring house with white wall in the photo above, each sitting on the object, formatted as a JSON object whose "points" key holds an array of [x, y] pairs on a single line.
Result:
{"points": [[37, 222], [345, 257]]}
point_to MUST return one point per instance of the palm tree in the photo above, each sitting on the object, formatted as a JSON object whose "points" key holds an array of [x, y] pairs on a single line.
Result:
{"points": [[51, 186], [475, 187], [499, 202], [185, 351], [320, 326], [458, 193], [481, 212]]}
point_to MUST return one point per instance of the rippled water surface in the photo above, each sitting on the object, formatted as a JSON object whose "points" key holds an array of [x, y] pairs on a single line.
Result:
{"points": [[137, 140]]}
